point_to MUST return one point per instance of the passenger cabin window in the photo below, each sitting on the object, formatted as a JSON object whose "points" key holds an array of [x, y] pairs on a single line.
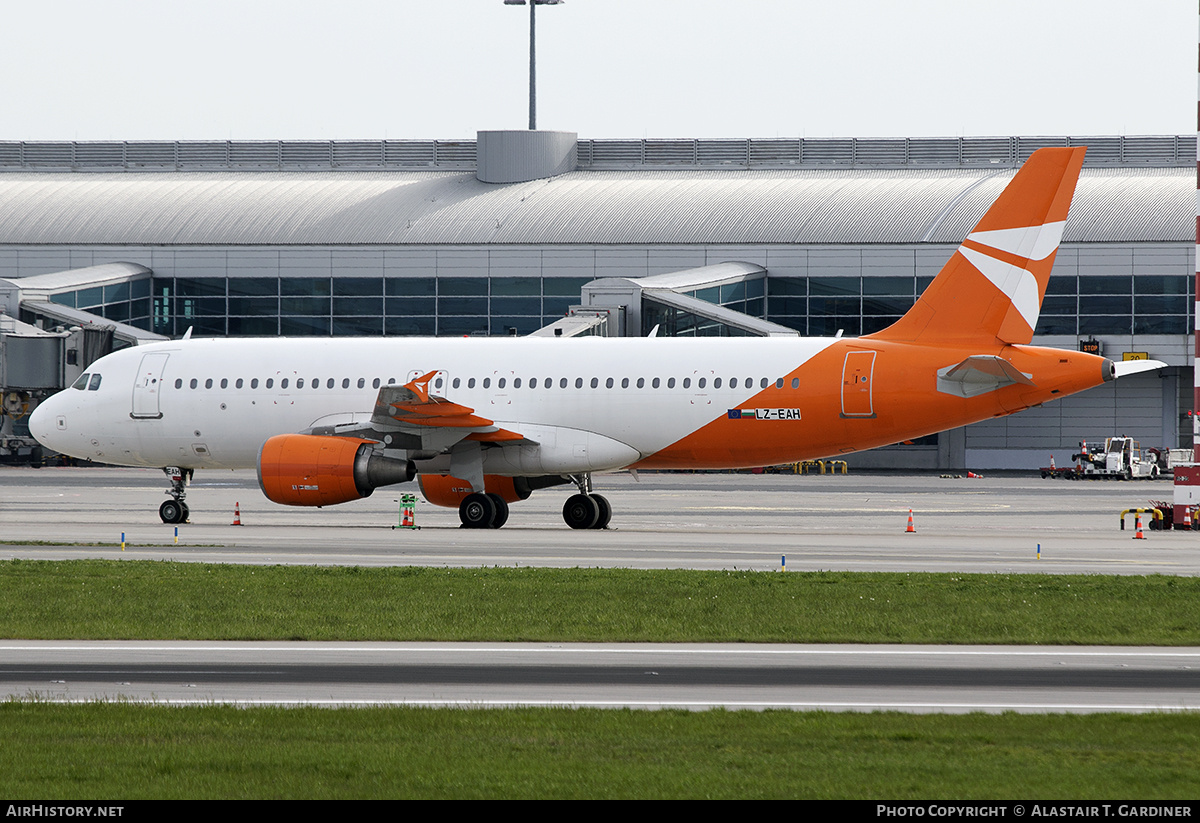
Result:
{"points": [[224, 382], [194, 383], [270, 382], [238, 384], [179, 382], [254, 383]]}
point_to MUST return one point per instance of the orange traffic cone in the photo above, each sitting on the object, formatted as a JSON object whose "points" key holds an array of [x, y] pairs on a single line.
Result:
{"points": [[911, 528], [1138, 523], [1187, 518], [237, 514]]}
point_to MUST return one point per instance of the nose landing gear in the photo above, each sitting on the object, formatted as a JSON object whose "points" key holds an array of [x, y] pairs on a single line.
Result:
{"points": [[175, 510]]}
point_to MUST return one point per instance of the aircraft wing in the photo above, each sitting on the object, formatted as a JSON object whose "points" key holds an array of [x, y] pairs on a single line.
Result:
{"points": [[409, 417], [412, 409]]}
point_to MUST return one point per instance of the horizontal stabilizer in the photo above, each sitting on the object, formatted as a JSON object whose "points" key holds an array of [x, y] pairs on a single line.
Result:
{"points": [[1124, 368], [978, 374]]}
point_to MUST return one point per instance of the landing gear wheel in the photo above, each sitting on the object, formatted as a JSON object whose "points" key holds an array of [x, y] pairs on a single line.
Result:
{"points": [[172, 511], [501, 510], [477, 511], [581, 511], [605, 512]]}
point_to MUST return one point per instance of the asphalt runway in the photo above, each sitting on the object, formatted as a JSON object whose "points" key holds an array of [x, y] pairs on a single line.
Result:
{"points": [[704, 521], [915, 679]]}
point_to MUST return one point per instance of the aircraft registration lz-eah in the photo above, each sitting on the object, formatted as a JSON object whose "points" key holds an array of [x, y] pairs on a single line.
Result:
{"points": [[485, 422]]}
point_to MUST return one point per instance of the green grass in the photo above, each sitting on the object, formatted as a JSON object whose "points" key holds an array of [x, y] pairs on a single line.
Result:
{"points": [[120, 751], [187, 601]]}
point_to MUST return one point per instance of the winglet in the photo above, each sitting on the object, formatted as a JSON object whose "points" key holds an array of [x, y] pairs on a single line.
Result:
{"points": [[420, 386], [992, 287]]}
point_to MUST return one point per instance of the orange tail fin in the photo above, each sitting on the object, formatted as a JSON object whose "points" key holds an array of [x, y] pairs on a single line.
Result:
{"points": [[994, 284]]}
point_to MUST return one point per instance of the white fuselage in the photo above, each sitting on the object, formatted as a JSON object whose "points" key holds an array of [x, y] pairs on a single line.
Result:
{"points": [[584, 404]]}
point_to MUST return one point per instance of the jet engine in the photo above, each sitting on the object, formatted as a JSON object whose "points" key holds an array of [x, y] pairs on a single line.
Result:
{"points": [[311, 470]]}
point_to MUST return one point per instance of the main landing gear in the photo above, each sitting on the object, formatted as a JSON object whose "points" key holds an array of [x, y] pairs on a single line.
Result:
{"points": [[175, 510], [586, 510], [483, 510]]}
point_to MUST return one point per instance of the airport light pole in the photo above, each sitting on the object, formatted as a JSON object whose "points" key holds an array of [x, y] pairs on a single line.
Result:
{"points": [[533, 4]]}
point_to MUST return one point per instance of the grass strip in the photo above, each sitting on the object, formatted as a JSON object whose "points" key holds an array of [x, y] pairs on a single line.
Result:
{"points": [[96, 599], [100, 751]]}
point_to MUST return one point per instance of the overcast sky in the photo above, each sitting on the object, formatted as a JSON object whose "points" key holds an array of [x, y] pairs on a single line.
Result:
{"points": [[397, 69]]}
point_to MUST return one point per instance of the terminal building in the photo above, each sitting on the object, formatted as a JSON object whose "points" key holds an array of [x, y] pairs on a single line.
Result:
{"points": [[515, 233]]}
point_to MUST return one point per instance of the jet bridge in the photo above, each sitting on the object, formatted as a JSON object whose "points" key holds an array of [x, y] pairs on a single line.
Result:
{"points": [[46, 344], [720, 300]]}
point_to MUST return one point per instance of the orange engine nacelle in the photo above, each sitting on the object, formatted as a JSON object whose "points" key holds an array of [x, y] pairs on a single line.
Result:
{"points": [[312, 470], [444, 490]]}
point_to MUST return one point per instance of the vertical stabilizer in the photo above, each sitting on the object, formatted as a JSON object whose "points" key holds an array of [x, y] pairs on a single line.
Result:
{"points": [[994, 284]]}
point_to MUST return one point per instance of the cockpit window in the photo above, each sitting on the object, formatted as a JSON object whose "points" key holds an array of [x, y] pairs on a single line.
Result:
{"points": [[82, 382], [95, 384]]}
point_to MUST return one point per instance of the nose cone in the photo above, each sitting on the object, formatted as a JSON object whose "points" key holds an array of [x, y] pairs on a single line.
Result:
{"points": [[43, 422]]}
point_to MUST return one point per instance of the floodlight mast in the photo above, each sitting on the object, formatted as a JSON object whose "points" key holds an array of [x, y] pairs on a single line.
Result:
{"points": [[533, 4]]}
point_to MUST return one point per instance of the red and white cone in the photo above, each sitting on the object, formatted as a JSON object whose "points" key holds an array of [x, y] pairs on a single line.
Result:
{"points": [[237, 514], [1139, 535], [911, 528], [1187, 518]]}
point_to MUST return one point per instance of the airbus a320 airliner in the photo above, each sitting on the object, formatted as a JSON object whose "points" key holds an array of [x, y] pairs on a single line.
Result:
{"points": [[485, 422]]}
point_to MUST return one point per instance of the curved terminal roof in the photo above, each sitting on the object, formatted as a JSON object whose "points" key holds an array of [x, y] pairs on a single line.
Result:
{"points": [[636, 206]]}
